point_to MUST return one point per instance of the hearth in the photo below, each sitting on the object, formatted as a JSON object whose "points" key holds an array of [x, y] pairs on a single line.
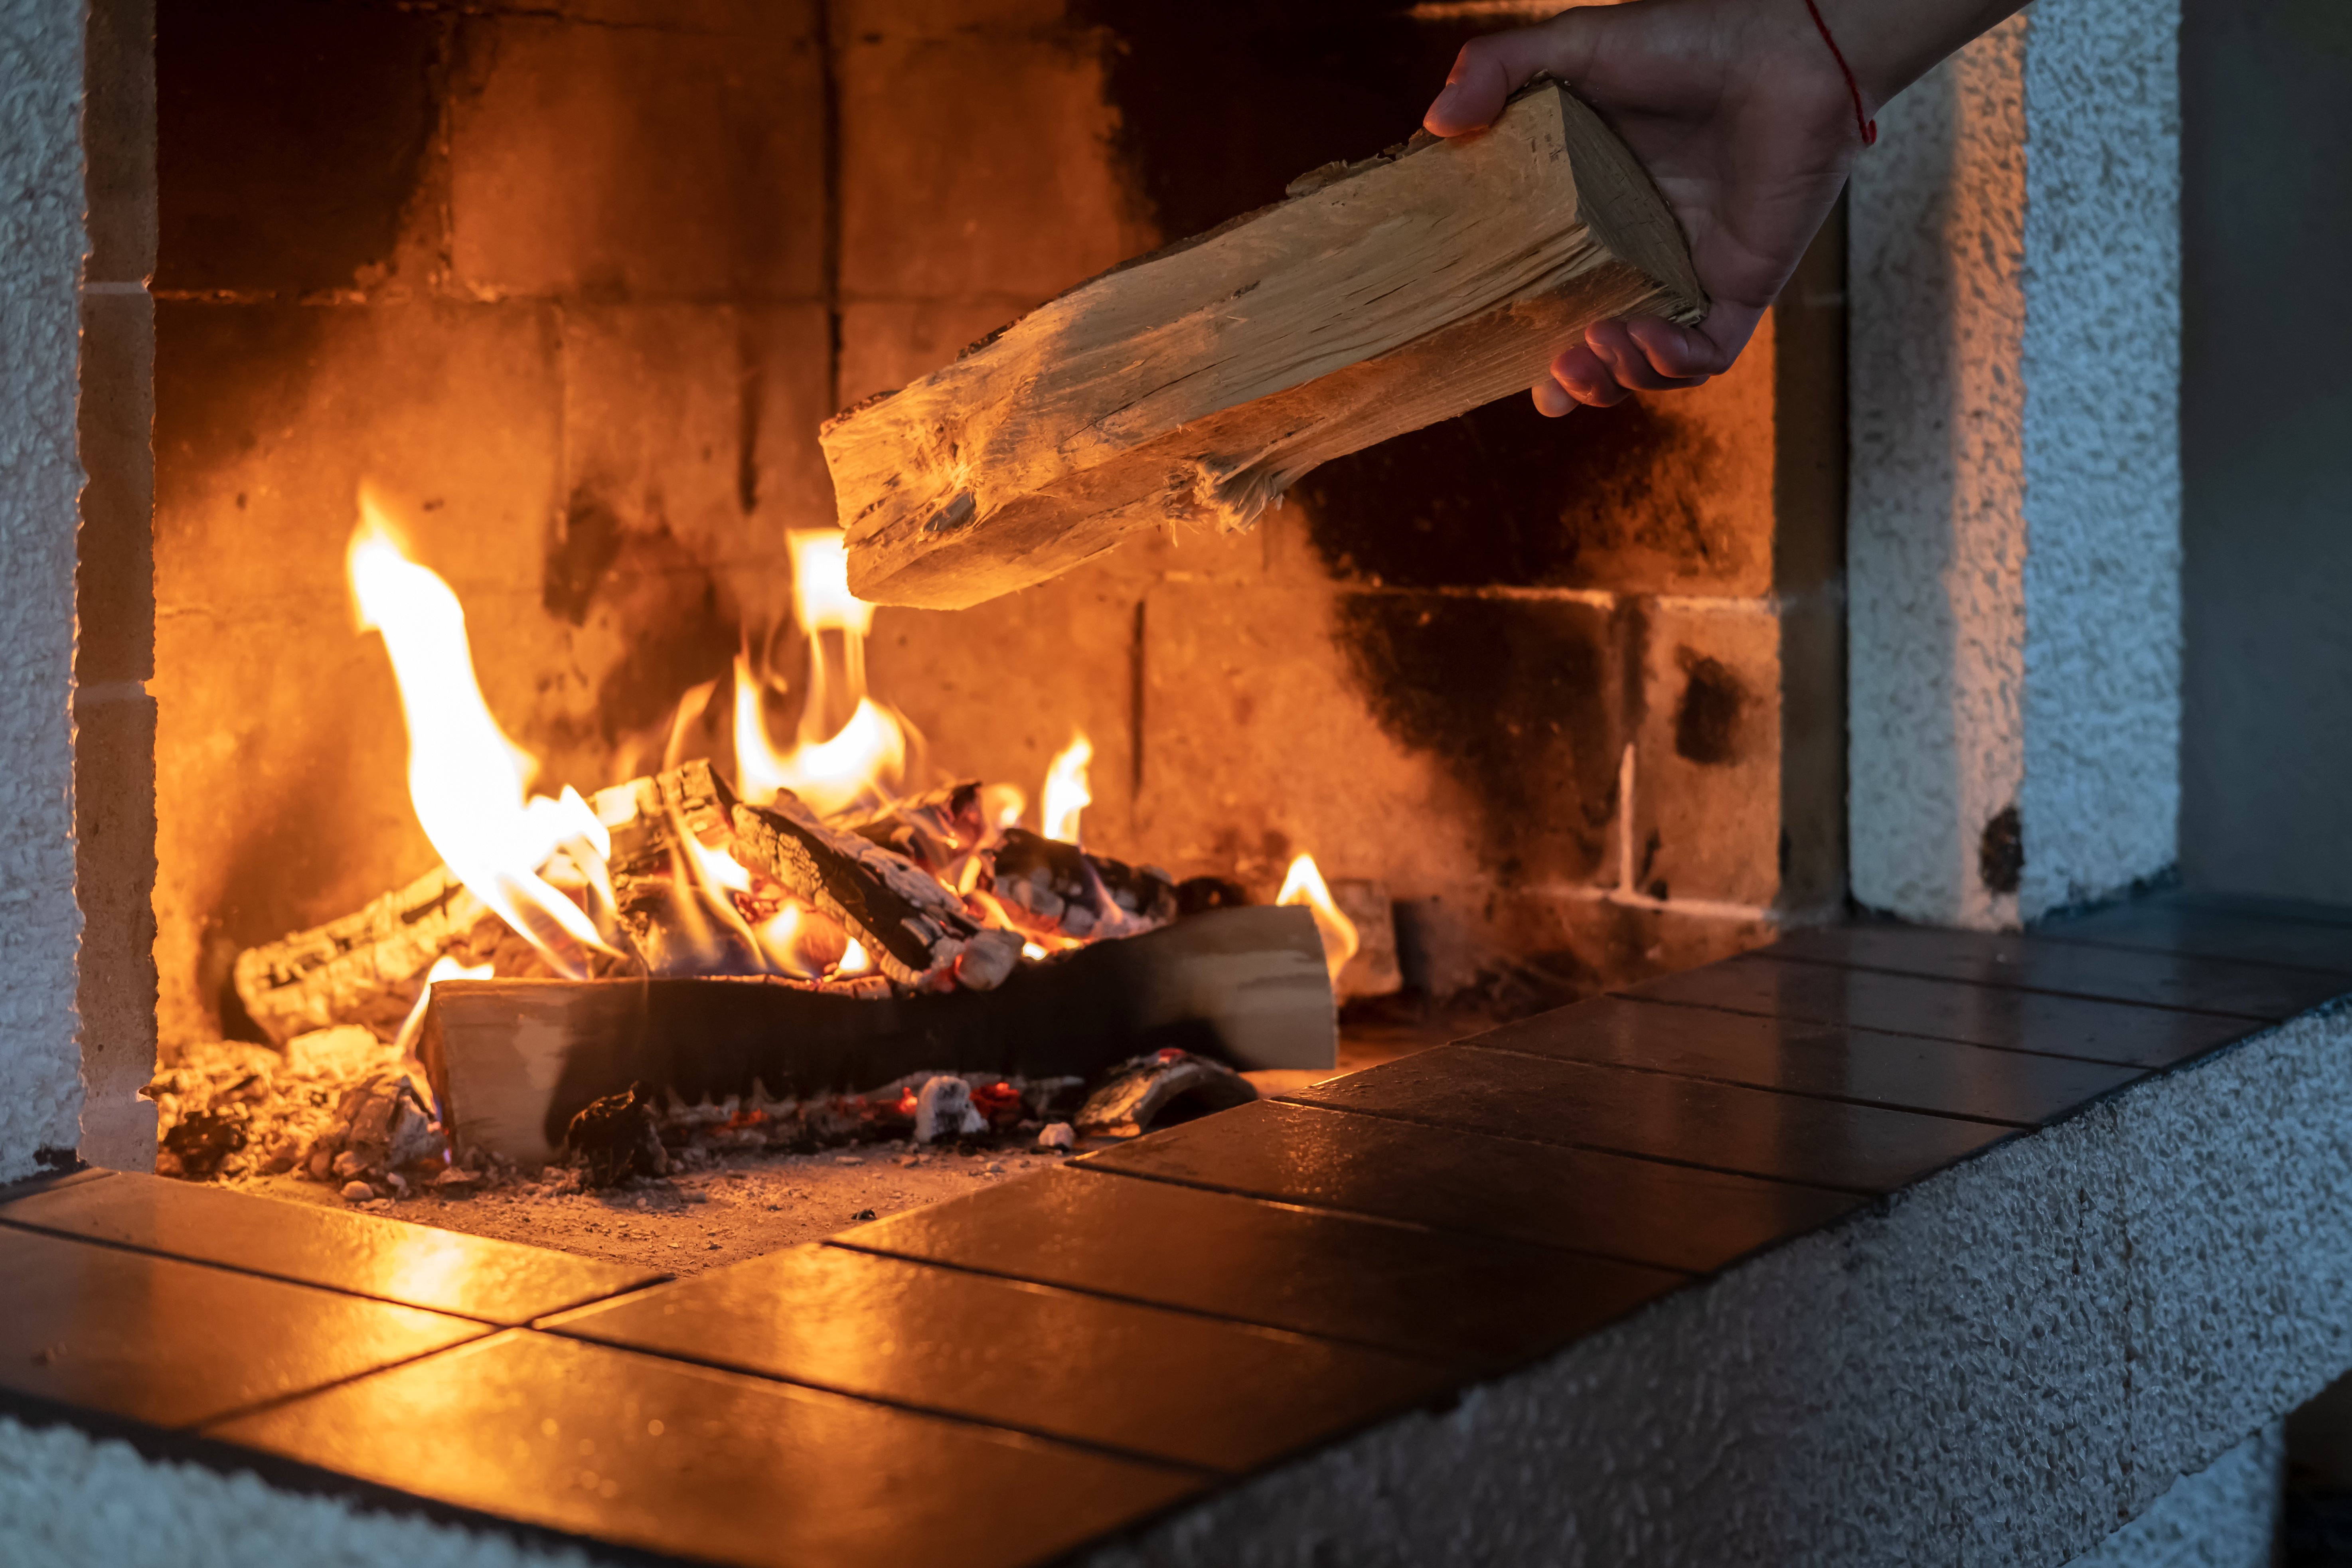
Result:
{"points": [[537, 315]]}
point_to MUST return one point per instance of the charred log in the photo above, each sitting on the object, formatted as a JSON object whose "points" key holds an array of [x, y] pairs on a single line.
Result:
{"points": [[365, 968], [511, 1062], [1058, 890]]}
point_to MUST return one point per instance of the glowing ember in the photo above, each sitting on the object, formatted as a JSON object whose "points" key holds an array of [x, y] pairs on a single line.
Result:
{"points": [[467, 781], [1065, 789], [1303, 885]]}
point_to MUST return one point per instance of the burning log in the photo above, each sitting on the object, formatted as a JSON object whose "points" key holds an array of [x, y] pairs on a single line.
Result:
{"points": [[914, 929], [511, 1062], [365, 968], [1200, 382], [1052, 889]]}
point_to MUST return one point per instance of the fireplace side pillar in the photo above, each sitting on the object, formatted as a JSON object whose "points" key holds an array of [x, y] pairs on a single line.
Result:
{"points": [[114, 713], [2013, 544], [41, 241]]}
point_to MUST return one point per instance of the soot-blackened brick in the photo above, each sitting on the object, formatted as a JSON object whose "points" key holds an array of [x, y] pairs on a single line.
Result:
{"points": [[291, 136], [1519, 700], [1611, 498], [1221, 104]]}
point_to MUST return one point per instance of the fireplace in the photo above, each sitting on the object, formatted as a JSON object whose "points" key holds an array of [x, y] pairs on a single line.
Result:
{"points": [[1876, 1241], [574, 290]]}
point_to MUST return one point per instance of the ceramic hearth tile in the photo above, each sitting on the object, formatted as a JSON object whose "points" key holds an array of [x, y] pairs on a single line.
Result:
{"points": [[1723, 1127], [1471, 1184], [1950, 1010], [2205, 930], [166, 1343], [1158, 1384], [689, 1462], [2114, 975], [498, 1282], [1903, 1072], [1474, 1302]]}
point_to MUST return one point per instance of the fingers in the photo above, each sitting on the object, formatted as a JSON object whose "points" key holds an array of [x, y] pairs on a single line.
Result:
{"points": [[1552, 400], [1489, 69], [1648, 355]]}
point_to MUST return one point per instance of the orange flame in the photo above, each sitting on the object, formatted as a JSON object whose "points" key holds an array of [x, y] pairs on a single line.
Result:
{"points": [[467, 781], [864, 760], [1065, 789], [1305, 885]]}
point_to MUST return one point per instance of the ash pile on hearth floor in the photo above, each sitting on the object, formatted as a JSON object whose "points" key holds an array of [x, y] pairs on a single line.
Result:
{"points": [[342, 1109]]}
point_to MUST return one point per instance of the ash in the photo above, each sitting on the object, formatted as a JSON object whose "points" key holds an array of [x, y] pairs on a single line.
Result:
{"points": [[339, 1118]]}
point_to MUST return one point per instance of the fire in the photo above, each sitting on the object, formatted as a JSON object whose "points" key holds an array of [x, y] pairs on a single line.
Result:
{"points": [[467, 781], [1065, 789], [862, 762], [1305, 885]]}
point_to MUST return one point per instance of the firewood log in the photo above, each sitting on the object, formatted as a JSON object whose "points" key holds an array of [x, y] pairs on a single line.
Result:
{"points": [[913, 929], [365, 968], [512, 1062], [1199, 383]]}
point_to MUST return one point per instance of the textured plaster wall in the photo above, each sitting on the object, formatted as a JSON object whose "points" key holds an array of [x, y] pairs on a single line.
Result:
{"points": [[2100, 801], [1934, 542], [68, 1501], [2004, 1364], [2013, 538], [40, 264], [2223, 1517]]}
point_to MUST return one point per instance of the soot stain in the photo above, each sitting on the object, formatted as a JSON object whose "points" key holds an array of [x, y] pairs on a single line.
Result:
{"points": [[1222, 102], [1706, 719], [2001, 853], [1502, 494], [579, 555], [1515, 697], [290, 137]]}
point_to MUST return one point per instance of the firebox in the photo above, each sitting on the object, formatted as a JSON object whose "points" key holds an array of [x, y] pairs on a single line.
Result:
{"points": [[569, 292]]}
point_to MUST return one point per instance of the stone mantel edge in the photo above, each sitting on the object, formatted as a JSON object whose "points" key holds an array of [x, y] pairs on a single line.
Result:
{"points": [[2004, 1364]]}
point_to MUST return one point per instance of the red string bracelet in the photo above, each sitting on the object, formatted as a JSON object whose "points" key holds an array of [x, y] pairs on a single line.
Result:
{"points": [[1869, 126]]}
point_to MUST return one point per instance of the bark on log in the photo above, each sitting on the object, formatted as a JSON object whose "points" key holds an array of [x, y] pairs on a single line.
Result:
{"points": [[365, 968], [1199, 383], [512, 1062], [913, 929]]}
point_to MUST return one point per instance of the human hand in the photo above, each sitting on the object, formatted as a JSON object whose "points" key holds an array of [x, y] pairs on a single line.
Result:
{"points": [[1739, 110]]}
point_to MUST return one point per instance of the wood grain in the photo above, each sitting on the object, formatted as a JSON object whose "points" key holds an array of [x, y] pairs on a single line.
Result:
{"points": [[1194, 385]]}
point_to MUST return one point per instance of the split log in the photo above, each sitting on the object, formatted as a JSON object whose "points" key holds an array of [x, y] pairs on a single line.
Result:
{"points": [[365, 968], [914, 929], [512, 1062], [1199, 383]]}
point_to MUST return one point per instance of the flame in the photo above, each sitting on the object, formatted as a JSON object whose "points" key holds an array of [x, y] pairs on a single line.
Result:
{"points": [[853, 960], [443, 968], [1303, 885], [821, 597], [864, 760], [1065, 789], [466, 780]]}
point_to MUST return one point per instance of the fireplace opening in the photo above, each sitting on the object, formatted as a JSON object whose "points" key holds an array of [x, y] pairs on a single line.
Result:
{"points": [[533, 314]]}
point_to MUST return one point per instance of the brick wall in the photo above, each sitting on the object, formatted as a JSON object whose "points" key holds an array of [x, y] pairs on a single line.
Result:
{"points": [[575, 285]]}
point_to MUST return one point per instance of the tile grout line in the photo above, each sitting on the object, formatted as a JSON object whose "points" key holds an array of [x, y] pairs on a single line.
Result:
{"points": [[1683, 1076], [959, 1417], [1333, 1212], [1871, 1192], [2260, 1027], [1467, 1365], [1851, 966]]}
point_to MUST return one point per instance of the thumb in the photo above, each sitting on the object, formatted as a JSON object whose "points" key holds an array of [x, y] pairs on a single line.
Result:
{"points": [[1489, 69]]}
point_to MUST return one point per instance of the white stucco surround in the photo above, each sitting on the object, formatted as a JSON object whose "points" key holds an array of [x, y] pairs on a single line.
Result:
{"points": [[41, 247], [2013, 551]]}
